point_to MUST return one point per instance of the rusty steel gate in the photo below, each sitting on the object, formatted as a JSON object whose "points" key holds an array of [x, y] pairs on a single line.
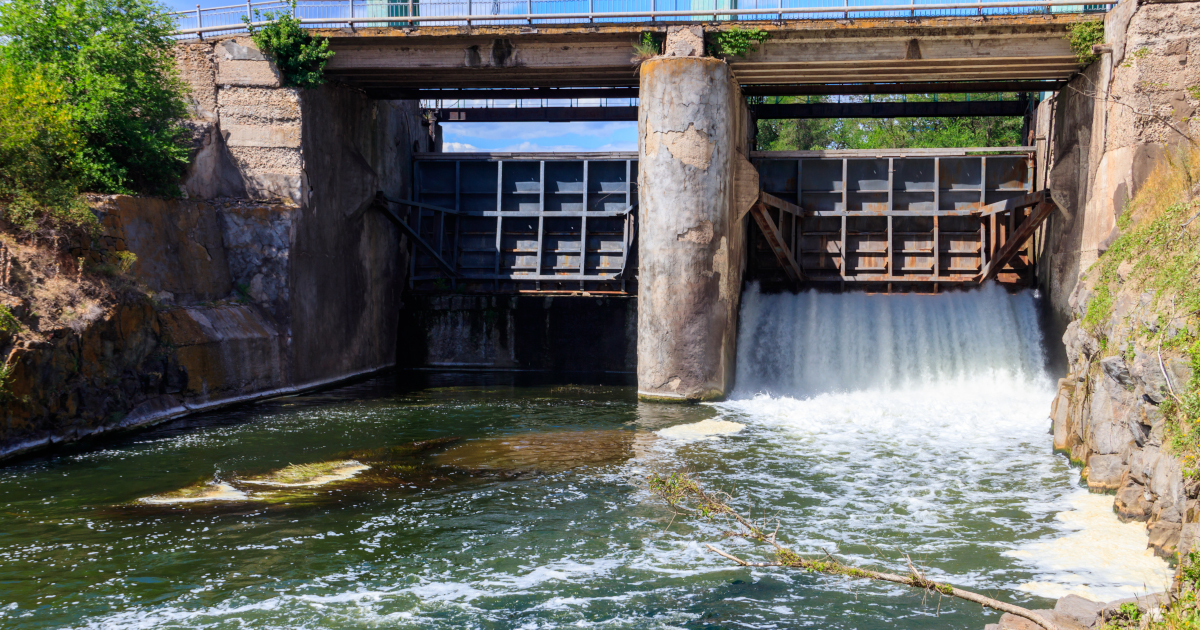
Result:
{"points": [[524, 222], [899, 220], [904, 218]]}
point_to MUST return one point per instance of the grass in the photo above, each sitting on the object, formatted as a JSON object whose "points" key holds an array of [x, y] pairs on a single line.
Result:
{"points": [[649, 46], [1159, 251]]}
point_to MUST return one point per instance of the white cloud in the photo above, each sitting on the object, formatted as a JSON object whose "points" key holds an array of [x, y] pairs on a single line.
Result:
{"points": [[459, 147]]}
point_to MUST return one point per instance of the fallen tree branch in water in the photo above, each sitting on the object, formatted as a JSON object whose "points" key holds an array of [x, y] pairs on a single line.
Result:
{"points": [[685, 496]]}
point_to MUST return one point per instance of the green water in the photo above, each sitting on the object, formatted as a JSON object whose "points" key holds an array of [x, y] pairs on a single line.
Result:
{"points": [[531, 545]]}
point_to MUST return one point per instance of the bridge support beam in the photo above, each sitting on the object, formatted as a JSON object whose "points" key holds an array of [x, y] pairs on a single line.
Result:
{"points": [[692, 150]]}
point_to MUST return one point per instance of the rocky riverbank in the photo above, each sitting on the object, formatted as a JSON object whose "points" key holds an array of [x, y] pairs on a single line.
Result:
{"points": [[1076, 613]]}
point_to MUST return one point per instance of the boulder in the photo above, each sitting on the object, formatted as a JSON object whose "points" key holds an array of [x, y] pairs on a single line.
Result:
{"points": [[1105, 472], [1009, 621], [1164, 539], [1114, 367], [1132, 503], [1150, 602], [1147, 374], [1188, 535], [1083, 611]]}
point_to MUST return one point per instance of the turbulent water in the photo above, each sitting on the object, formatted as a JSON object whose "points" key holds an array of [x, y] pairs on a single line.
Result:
{"points": [[870, 426]]}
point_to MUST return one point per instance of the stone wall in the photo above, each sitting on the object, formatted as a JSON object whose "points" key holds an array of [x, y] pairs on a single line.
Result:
{"points": [[1106, 417], [1106, 128]]}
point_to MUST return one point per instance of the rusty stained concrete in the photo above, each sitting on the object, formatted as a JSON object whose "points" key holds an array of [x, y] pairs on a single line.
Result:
{"points": [[800, 51], [691, 241]]}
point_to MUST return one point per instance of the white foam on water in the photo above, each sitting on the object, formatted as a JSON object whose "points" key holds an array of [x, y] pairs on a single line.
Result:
{"points": [[1100, 558], [926, 411], [211, 492], [705, 429]]}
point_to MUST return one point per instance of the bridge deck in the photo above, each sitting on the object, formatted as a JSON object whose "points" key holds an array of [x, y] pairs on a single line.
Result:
{"points": [[589, 43]]}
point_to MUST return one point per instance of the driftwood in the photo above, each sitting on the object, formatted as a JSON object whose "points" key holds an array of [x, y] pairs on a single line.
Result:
{"points": [[685, 496]]}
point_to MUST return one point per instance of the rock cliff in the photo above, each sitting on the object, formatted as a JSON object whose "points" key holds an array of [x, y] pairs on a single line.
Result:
{"points": [[1127, 409]]}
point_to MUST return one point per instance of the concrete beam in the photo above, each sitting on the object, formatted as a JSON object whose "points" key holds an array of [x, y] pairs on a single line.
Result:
{"points": [[1010, 48], [942, 109]]}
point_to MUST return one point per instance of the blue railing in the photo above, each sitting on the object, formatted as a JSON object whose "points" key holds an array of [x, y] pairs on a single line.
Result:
{"points": [[403, 13]]}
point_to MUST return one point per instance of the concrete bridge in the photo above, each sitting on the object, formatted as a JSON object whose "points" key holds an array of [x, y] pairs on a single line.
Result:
{"points": [[1013, 45]]}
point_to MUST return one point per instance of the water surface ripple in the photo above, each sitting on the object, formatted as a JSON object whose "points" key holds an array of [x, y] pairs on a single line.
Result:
{"points": [[500, 531]]}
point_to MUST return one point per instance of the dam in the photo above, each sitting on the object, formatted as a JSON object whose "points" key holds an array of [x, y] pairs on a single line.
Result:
{"points": [[359, 379]]}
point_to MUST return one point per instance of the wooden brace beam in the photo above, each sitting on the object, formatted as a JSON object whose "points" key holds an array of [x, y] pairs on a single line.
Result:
{"points": [[1040, 213]]}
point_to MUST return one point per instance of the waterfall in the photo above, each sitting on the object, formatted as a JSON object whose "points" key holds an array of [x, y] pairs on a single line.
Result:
{"points": [[812, 343]]}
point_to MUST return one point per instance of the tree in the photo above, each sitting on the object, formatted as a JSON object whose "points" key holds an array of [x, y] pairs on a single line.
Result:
{"points": [[115, 62], [39, 142], [890, 133]]}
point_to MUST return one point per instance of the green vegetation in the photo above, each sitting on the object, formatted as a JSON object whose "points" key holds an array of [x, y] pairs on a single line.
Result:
{"points": [[1182, 612], [648, 46], [40, 142], [6, 370], [1158, 252], [736, 42], [1083, 36], [299, 56], [89, 100], [889, 133], [114, 264], [114, 67], [8, 322]]}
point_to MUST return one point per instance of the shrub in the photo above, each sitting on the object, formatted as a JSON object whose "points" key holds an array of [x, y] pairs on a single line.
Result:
{"points": [[649, 46], [115, 62], [39, 146], [9, 322], [1083, 36], [299, 56], [736, 42]]}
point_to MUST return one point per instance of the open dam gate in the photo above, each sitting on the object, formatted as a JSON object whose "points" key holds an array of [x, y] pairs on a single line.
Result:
{"points": [[503, 238], [567, 223]]}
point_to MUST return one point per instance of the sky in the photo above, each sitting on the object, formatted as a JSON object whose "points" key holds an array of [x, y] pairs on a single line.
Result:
{"points": [[573, 136]]}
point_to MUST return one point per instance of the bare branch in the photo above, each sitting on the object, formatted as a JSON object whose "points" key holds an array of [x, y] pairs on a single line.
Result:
{"points": [[1095, 95], [679, 489]]}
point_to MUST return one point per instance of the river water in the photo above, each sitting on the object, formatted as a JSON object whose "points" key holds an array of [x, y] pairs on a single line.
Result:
{"points": [[872, 427]]}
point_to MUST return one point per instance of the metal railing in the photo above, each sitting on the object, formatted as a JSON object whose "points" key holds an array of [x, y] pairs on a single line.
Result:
{"points": [[411, 13]]}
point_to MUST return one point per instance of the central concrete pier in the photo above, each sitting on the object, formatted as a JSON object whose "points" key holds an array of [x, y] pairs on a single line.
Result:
{"points": [[693, 146]]}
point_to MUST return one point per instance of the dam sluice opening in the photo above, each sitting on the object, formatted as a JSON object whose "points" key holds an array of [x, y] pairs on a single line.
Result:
{"points": [[915, 425]]}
